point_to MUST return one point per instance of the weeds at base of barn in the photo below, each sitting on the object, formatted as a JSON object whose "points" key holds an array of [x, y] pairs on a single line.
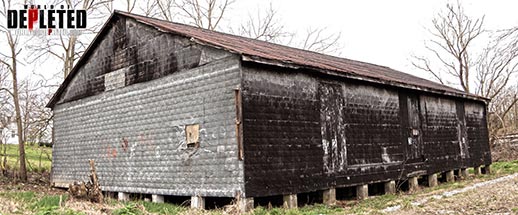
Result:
{"points": [[37, 197]]}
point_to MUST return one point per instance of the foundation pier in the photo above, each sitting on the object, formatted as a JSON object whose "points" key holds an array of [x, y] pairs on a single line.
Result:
{"points": [[390, 187], [432, 180], [486, 169], [477, 170], [289, 201], [463, 173], [197, 202], [450, 177], [245, 204], [413, 184], [362, 191], [121, 196], [157, 198], [329, 196]]}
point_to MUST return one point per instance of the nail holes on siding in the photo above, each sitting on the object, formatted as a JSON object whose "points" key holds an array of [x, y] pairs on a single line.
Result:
{"points": [[192, 135]]}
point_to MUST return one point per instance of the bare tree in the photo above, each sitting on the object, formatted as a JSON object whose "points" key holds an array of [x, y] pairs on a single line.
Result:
{"points": [[491, 73], [502, 120], [149, 9], [267, 26], [203, 13], [36, 118], [6, 113], [319, 40], [498, 64], [10, 60], [453, 33], [165, 9], [68, 48], [206, 14], [497, 72], [264, 25]]}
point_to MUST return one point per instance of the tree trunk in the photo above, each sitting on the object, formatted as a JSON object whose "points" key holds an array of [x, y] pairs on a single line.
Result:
{"points": [[4, 158], [70, 55], [21, 146]]}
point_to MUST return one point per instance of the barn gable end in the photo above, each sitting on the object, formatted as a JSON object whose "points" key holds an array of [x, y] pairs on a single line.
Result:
{"points": [[131, 52], [154, 110]]}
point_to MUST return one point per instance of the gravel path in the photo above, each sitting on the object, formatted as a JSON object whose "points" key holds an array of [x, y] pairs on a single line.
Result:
{"points": [[497, 196]]}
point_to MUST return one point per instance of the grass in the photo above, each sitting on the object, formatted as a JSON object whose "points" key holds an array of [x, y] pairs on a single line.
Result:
{"points": [[32, 154], [39, 204], [379, 203], [306, 210], [375, 204], [24, 197], [140, 207], [161, 208], [504, 168], [128, 209]]}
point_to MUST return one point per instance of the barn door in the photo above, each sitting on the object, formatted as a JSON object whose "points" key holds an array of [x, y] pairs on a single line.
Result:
{"points": [[411, 125], [332, 127]]}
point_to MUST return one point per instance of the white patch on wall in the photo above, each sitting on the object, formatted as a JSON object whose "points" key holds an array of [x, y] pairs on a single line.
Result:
{"points": [[325, 147], [384, 155], [115, 79]]}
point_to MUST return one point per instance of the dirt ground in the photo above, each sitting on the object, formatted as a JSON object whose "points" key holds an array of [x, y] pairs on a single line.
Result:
{"points": [[504, 152], [496, 196], [37, 182], [500, 197]]}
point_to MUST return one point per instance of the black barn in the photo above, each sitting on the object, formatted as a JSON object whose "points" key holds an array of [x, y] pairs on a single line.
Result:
{"points": [[172, 110]]}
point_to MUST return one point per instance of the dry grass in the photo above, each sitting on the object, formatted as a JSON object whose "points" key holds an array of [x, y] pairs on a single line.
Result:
{"points": [[498, 198], [35, 197], [504, 152]]}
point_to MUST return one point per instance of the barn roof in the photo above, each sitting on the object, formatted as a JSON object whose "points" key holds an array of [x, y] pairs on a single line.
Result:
{"points": [[269, 53]]}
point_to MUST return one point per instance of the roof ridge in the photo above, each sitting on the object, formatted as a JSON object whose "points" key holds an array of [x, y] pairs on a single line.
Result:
{"points": [[243, 37], [277, 52]]}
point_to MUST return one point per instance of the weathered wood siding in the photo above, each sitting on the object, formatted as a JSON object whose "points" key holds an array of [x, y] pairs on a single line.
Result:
{"points": [[304, 132], [128, 109], [140, 91], [476, 128]]}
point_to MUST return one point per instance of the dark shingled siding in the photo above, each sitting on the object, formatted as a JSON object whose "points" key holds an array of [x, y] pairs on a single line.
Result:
{"points": [[306, 132]]}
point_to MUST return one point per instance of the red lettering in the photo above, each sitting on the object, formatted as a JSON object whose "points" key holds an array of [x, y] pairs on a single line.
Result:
{"points": [[33, 17]]}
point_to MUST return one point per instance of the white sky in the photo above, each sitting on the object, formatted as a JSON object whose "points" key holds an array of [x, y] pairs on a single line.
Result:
{"points": [[382, 32]]}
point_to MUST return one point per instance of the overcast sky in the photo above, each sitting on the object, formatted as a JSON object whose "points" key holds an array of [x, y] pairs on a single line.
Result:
{"points": [[382, 32]]}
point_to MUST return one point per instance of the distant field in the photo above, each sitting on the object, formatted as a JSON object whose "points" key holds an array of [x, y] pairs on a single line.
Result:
{"points": [[38, 158]]}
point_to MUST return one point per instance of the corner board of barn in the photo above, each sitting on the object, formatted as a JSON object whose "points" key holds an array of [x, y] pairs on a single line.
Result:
{"points": [[172, 110]]}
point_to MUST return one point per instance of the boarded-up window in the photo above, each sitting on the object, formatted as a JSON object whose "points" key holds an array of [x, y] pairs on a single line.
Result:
{"points": [[115, 79], [192, 133]]}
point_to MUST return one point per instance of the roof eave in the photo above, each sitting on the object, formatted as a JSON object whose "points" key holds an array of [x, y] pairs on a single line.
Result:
{"points": [[271, 62]]}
